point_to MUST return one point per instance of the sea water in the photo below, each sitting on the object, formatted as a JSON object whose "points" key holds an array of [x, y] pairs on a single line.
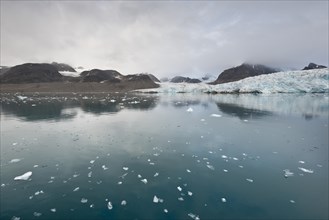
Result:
{"points": [[183, 156]]}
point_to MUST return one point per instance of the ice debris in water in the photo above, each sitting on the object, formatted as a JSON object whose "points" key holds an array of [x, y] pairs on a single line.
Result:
{"points": [[156, 174], [165, 210], [292, 201], [157, 200], [189, 109], [3, 185], [287, 173], [119, 183], [38, 192], [194, 216], [76, 189], [92, 206], [215, 115], [225, 171], [187, 170], [15, 160], [109, 205], [92, 161], [301, 161], [125, 168], [25, 176], [189, 193], [139, 176], [181, 199], [144, 181], [179, 188], [104, 167], [305, 170], [37, 214], [250, 180], [14, 144], [35, 166], [20, 97], [89, 174], [223, 200], [53, 210], [123, 202], [15, 218], [83, 200], [224, 156], [211, 167]]}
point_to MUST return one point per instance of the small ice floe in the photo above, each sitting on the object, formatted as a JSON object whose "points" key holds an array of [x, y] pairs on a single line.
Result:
{"points": [[15, 218], [139, 176], [223, 199], [240, 166], [302, 162], [181, 199], [193, 216], [292, 201], [76, 189], [92, 206], [250, 180], [38, 192], [104, 167], [187, 170], [109, 205], [202, 119], [25, 176], [37, 214], [319, 165], [306, 170], [75, 175], [144, 181], [157, 199], [224, 156], [287, 173], [92, 161], [33, 105], [30, 197], [234, 158], [245, 120], [189, 109], [225, 171], [15, 160], [90, 173], [189, 193], [215, 115], [123, 202], [83, 200], [53, 210], [20, 97], [179, 188], [124, 175], [156, 174], [3, 185], [112, 100], [14, 144], [119, 183], [125, 168], [35, 166], [211, 167], [152, 163], [165, 210]]}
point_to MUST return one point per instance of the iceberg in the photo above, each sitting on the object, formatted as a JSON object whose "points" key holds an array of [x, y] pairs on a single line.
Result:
{"points": [[306, 170], [109, 205], [25, 176], [300, 81]]}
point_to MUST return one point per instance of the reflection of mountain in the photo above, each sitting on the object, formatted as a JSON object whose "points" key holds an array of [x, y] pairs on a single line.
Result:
{"points": [[56, 108], [242, 112]]}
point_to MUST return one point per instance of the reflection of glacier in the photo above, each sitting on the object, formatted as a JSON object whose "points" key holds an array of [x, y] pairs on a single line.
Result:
{"points": [[303, 81]]}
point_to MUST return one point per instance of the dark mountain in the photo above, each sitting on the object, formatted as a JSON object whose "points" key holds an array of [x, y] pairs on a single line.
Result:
{"points": [[312, 66], [181, 79], [31, 73], [97, 75], [153, 77], [63, 67], [4, 69], [243, 71]]}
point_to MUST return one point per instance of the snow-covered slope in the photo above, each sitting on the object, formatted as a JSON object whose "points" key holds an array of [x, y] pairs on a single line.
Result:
{"points": [[67, 73], [305, 81]]}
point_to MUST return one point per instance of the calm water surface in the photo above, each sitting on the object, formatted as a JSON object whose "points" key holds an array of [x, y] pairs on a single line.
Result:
{"points": [[202, 156]]}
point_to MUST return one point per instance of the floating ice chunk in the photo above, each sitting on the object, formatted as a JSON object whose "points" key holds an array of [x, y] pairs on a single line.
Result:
{"points": [[215, 115], [112, 100], [181, 199], [189, 109], [37, 214], [152, 163], [165, 210], [119, 183], [76, 189], [53, 210], [155, 199], [287, 173], [104, 167], [123, 176], [240, 166], [234, 158], [92, 206], [14, 144], [301, 161], [244, 154], [144, 181], [305, 170], [75, 175], [21, 97], [211, 167], [292, 201], [3, 185], [123, 202], [189, 193], [187, 170], [250, 180], [90, 173], [225, 171], [15, 160], [319, 165], [139, 176], [245, 120], [202, 119], [38, 192], [30, 197], [92, 161], [193, 216], [223, 199], [109, 205], [156, 174], [25, 176], [35, 166], [224, 156], [125, 168], [179, 188], [15, 218], [83, 200]]}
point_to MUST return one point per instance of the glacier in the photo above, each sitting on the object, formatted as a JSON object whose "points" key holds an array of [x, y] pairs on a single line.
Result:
{"points": [[300, 81]]}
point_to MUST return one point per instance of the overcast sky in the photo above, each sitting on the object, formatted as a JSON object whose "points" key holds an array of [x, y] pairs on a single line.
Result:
{"points": [[165, 38]]}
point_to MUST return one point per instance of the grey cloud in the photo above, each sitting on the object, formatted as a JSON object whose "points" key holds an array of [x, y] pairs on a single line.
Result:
{"points": [[165, 38]]}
